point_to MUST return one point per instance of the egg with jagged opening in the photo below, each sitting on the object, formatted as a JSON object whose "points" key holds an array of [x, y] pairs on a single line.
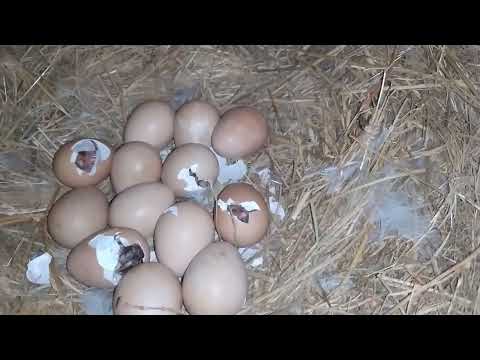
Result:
{"points": [[241, 215], [190, 169], [82, 162], [104, 257]]}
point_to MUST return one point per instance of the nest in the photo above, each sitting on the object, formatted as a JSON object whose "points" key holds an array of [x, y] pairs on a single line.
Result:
{"points": [[373, 156]]}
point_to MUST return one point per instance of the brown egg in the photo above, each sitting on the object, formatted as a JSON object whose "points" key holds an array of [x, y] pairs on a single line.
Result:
{"points": [[181, 232], [82, 163], [215, 282], [241, 215], [101, 259], [135, 163], [194, 123], [240, 132], [148, 289], [77, 214], [190, 168], [152, 123], [140, 206]]}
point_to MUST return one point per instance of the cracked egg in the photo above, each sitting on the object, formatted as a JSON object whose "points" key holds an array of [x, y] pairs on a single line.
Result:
{"points": [[104, 257], [82, 163], [241, 215], [190, 169], [148, 289]]}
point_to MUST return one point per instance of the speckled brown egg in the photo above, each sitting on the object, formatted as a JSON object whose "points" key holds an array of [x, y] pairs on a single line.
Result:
{"points": [[135, 163], [77, 214], [148, 289], [140, 206], [181, 232], [152, 123], [102, 258], [215, 282], [241, 215], [190, 168], [241, 132], [194, 123], [82, 162]]}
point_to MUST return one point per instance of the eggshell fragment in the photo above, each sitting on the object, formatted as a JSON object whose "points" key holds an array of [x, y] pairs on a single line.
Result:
{"points": [[135, 163], [77, 214], [194, 123], [140, 206], [100, 260], [181, 232], [148, 289], [241, 132], [241, 215], [150, 122], [215, 282], [190, 168], [82, 162]]}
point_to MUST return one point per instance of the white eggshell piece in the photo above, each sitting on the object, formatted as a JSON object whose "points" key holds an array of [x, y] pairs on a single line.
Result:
{"points": [[38, 269]]}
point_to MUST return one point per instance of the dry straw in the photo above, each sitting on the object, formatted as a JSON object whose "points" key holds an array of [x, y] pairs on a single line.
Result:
{"points": [[367, 141]]}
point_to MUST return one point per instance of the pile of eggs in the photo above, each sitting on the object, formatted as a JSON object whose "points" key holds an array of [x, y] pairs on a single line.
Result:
{"points": [[155, 206]]}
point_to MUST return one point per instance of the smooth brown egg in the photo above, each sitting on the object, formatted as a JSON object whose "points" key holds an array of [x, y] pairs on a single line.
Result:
{"points": [[190, 168], [241, 215], [152, 123], [148, 289], [194, 123], [101, 259], [77, 214], [135, 163], [140, 206], [82, 162], [241, 132], [215, 282], [181, 232]]}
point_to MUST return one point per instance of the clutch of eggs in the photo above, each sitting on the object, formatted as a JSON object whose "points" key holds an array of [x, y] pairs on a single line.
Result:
{"points": [[109, 242]]}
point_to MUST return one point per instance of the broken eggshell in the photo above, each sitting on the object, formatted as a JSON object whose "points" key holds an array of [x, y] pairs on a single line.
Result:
{"points": [[230, 172], [38, 269], [82, 163], [101, 259], [241, 215], [190, 169], [181, 232]]}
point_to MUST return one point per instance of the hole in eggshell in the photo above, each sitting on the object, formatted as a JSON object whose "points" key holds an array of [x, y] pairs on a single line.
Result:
{"points": [[87, 154], [240, 212], [202, 183], [86, 160], [115, 255]]}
